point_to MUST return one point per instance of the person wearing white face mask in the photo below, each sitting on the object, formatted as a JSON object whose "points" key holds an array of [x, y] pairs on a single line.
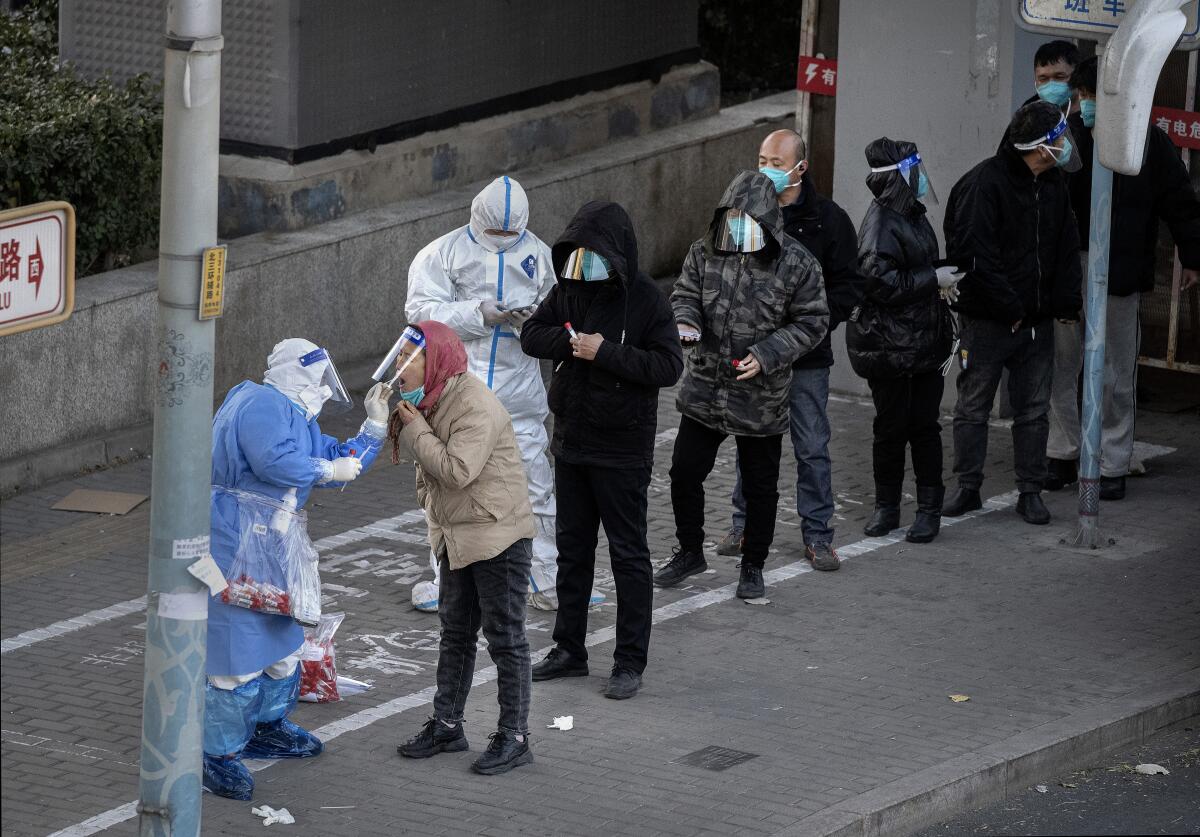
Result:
{"points": [[484, 280], [269, 452]]}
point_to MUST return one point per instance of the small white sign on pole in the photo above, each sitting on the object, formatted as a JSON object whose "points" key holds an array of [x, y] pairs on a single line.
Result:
{"points": [[1094, 19], [37, 266]]}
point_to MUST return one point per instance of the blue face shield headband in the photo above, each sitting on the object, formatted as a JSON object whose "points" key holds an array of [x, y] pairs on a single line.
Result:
{"points": [[1064, 157], [912, 171]]}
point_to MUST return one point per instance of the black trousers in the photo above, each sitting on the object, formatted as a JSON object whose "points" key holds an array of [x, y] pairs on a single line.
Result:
{"points": [[695, 453], [906, 414], [589, 496]]}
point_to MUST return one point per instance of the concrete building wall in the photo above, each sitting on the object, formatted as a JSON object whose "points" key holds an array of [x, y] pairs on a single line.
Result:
{"points": [[341, 284], [946, 76]]}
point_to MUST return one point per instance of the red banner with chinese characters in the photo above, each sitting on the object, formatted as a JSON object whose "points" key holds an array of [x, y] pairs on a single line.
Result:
{"points": [[1182, 126], [817, 75]]}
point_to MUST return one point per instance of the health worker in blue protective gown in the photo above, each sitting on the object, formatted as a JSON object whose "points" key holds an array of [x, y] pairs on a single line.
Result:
{"points": [[266, 440]]}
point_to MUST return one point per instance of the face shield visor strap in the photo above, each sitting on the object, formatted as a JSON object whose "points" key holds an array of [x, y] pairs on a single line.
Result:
{"points": [[339, 399], [411, 338], [587, 266], [1071, 163], [738, 232], [913, 171]]}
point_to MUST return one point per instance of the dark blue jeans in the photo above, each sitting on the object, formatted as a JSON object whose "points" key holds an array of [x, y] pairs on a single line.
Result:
{"points": [[1028, 355], [810, 443], [490, 594]]}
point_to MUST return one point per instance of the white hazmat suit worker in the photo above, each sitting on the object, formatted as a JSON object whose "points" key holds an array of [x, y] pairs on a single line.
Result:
{"points": [[484, 280]]}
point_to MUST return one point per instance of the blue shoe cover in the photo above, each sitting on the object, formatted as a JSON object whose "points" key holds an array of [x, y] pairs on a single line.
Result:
{"points": [[278, 696], [230, 716], [226, 776], [282, 739]]}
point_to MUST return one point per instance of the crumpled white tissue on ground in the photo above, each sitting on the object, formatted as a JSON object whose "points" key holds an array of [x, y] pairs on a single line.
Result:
{"points": [[271, 816]]}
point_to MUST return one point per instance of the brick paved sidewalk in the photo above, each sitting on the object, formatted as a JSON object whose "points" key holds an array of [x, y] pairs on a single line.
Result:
{"points": [[838, 686]]}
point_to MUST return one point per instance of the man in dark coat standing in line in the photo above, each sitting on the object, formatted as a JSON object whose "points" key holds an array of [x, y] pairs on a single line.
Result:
{"points": [[827, 232], [613, 339], [1009, 225], [1161, 191]]}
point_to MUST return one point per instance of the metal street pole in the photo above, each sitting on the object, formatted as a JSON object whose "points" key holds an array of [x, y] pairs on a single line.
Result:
{"points": [[177, 603], [1095, 326]]}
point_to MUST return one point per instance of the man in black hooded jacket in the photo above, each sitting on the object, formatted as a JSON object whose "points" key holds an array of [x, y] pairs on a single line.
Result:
{"points": [[604, 396], [1009, 225]]}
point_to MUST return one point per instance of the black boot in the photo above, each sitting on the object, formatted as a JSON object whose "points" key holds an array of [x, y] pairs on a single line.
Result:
{"points": [[929, 514], [962, 501], [1060, 473], [887, 511], [1032, 509]]}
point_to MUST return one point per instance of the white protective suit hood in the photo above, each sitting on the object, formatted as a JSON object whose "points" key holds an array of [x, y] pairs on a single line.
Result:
{"points": [[502, 205], [308, 385]]}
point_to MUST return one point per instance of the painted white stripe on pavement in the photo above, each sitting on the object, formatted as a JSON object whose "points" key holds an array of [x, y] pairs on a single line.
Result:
{"points": [[674, 610], [75, 623]]}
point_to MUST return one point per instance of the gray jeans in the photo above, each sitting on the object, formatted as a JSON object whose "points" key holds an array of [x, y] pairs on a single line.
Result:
{"points": [[1122, 342], [490, 594], [1028, 355]]}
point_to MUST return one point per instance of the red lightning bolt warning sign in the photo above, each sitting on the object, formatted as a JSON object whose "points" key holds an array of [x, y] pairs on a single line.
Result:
{"points": [[817, 75]]}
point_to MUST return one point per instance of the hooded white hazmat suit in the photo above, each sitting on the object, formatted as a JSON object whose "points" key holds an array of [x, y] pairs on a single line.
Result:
{"points": [[447, 281]]}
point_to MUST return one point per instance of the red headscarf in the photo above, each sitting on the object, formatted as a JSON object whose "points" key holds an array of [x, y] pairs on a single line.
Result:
{"points": [[445, 357]]}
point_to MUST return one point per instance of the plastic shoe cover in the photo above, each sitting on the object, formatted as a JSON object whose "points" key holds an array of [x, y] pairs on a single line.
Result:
{"points": [[283, 739], [226, 776], [425, 596], [597, 598], [278, 696], [543, 599], [229, 717]]}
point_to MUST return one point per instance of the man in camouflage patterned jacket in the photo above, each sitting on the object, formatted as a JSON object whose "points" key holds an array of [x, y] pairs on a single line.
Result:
{"points": [[751, 301]]}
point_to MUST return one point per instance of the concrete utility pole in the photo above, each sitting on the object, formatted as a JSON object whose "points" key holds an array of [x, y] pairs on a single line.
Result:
{"points": [[177, 603]]}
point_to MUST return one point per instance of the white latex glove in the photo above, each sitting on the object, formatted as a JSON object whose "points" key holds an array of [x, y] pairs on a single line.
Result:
{"points": [[948, 276], [949, 293], [377, 403], [346, 468], [493, 312], [517, 317]]}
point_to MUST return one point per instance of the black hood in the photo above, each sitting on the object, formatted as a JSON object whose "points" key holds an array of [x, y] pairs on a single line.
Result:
{"points": [[889, 187], [753, 193], [604, 227]]}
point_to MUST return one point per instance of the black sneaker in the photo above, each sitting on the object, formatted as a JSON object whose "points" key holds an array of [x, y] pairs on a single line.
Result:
{"points": [[559, 663], [622, 685], [962, 501], [503, 754], [731, 544], [1060, 473], [1112, 488], [750, 582], [435, 737], [683, 563], [822, 556], [1032, 509]]}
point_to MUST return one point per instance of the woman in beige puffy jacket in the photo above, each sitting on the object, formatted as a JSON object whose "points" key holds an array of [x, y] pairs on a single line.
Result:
{"points": [[472, 484]]}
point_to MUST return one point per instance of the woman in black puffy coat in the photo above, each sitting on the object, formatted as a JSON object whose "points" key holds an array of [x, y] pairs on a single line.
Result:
{"points": [[900, 337]]}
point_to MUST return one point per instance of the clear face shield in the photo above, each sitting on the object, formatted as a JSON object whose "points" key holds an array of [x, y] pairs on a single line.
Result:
{"points": [[584, 265], [913, 170], [410, 345], [739, 233], [339, 399], [1059, 144]]}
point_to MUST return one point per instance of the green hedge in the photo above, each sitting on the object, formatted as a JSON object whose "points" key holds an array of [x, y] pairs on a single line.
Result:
{"points": [[93, 143]]}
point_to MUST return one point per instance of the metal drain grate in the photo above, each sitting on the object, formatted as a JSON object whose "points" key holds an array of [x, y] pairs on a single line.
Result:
{"points": [[716, 758]]}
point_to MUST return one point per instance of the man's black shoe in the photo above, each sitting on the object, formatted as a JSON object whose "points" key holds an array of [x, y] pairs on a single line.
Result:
{"points": [[435, 737], [1060, 473], [1032, 509], [559, 663], [962, 501], [1112, 488], [929, 515], [750, 582], [503, 754], [683, 563], [887, 511], [622, 685]]}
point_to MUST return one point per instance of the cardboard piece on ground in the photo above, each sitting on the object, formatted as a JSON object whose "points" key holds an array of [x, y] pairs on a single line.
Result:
{"points": [[100, 502]]}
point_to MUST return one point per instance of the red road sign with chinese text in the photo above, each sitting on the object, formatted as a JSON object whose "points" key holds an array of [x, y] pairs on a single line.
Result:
{"points": [[1182, 126]]}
